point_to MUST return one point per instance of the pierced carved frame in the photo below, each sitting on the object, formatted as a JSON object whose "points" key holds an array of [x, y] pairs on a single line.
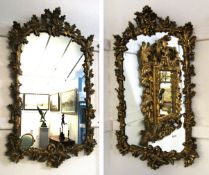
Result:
{"points": [[148, 23], [54, 24]]}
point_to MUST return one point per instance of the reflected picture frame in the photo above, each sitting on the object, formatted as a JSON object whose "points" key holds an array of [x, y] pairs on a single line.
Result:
{"points": [[54, 102], [69, 102], [32, 101]]}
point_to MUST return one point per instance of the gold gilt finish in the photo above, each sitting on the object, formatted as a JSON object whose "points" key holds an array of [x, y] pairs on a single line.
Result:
{"points": [[153, 59], [148, 23], [54, 24]]}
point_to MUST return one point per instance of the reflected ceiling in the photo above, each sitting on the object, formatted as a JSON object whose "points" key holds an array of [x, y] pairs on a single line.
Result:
{"points": [[47, 60]]}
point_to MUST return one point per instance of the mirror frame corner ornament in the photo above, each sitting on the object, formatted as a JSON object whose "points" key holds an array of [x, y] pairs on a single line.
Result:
{"points": [[54, 24], [148, 23]]}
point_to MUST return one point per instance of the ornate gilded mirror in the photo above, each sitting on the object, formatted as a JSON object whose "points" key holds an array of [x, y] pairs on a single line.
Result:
{"points": [[153, 71], [50, 64]]}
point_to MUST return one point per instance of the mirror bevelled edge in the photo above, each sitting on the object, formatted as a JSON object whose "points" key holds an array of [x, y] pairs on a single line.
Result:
{"points": [[148, 23], [54, 24]]}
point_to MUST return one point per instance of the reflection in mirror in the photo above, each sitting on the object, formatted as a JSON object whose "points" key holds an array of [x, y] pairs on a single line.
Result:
{"points": [[165, 122], [165, 94], [27, 140], [134, 117], [53, 90]]}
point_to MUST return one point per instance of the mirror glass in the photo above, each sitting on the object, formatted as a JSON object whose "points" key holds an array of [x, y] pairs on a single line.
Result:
{"points": [[27, 141], [52, 89], [165, 95]]}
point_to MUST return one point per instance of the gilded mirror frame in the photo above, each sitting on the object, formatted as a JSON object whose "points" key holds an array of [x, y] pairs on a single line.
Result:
{"points": [[54, 24], [148, 23], [153, 60]]}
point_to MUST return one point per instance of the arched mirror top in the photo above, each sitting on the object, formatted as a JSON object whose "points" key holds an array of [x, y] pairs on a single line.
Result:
{"points": [[50, 65]]}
